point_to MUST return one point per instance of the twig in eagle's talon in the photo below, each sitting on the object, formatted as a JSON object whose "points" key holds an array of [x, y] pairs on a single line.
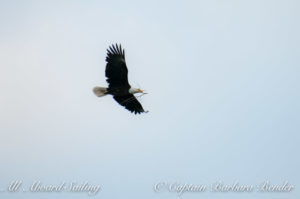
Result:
{"points": [[132, 98]]}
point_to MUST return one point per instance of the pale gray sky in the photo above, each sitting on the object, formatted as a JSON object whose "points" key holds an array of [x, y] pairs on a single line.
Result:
{"points": [[223, 83]]}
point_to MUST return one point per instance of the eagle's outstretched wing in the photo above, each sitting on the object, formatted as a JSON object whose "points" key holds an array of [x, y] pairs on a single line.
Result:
{"points": [[130, 103], [116, 69]]}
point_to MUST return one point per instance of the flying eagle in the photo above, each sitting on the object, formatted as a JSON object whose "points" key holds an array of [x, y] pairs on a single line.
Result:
{"points": [[118, 86]]}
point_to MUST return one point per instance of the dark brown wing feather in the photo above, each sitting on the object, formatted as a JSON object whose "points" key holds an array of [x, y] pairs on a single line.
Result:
{"points": [[116, 69], [130, 103]]}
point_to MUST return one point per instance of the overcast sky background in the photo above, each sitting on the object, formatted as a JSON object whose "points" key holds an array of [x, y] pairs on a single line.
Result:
{"points": [[223, 83]]}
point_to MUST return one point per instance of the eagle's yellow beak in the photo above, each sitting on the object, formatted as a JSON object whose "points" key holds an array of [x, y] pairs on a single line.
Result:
{"points": [[140, 91]]}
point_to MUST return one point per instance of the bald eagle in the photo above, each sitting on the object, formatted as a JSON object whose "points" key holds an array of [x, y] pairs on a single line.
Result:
{"points": [[118, 86]]}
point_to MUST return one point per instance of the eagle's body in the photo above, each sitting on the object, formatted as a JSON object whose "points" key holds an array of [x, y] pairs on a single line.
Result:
{"points": [[118, 86]]}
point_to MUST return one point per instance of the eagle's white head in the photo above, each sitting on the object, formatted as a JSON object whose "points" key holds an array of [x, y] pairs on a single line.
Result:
{"points": [[135, 90]]}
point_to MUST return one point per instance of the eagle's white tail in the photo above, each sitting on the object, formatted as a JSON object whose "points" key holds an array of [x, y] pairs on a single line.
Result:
{"points": [[100, 91]]}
